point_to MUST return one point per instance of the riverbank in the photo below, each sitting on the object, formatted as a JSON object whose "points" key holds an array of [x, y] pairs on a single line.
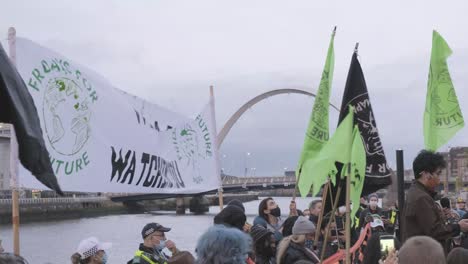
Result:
{"points": [[47, 209]]}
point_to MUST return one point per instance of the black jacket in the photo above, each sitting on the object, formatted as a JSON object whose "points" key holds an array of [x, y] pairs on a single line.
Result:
{"points": [[264, 260], [366, 212], [297, 252]]}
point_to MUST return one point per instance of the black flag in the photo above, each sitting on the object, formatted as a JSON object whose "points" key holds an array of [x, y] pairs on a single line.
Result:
{"points": [[17, 108], [378, 173]]}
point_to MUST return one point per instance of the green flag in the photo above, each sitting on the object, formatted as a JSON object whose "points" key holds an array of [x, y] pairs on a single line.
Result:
{"points": [[357, 171], [442, 117], [317, 132], [338, 149]]}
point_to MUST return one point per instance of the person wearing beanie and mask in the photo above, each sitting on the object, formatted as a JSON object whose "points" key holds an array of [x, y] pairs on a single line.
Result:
{"points": [[231, 216], [296, 247], [154, 242], [372, 209], [91, 251], [421, 215], [269, 216], [264, 245]]}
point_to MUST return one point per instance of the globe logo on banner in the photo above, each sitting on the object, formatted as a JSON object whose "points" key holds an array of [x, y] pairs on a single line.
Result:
{"points": [[66, 115], [193, 144], [67, 100]]}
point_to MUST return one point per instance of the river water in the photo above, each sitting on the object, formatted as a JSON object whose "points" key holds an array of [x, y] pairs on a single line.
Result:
{"points": [[55, 241]]}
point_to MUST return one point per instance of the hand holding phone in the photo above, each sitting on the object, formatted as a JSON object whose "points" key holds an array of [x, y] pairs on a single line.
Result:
{"points": [[387, 244]]}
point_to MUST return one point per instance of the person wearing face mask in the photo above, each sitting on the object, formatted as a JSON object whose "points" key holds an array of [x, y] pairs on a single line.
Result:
{"points": [[91, 251], [299, 245], [151, 251], [420, 215], [269, 216], [372, 209]]}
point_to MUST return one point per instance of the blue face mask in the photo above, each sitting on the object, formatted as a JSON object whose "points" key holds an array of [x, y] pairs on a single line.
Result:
{"points": [[309, 244], [104, 258], [162, 244]]}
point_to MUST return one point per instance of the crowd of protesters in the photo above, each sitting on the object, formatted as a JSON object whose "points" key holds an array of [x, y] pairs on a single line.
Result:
{"points": [[431, 232]]}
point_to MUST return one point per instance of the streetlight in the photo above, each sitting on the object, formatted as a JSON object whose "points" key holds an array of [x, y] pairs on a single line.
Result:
{"points": [[254, 171], [223, 162], [245, 163]]}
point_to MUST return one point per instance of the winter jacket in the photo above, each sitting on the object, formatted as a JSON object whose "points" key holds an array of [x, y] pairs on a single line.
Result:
{"points": [[297, 252], [422, 217]]}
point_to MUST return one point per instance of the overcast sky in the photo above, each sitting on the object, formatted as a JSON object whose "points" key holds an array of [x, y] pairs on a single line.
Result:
{"points": [[169, 52]]}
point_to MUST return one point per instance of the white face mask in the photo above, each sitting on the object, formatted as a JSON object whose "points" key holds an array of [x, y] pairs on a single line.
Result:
{"points": [[373, 203]]}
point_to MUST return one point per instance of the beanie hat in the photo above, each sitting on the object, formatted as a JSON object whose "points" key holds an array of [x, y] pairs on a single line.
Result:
{"points": [[258, 232], [232, 216], [303, 226], [372, 195], [238, 203]]}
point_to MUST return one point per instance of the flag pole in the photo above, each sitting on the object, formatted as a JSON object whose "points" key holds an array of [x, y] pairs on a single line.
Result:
{"points": [[348, 201], [332, 217], [14, 157], [401, 189], [320, 219], [293, 201], [326, 187], [348, 215], [213, 116], [299, 176], [297, 186]]}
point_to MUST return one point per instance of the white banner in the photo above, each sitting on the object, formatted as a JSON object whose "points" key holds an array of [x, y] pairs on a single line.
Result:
{"points": [[101, 139]]}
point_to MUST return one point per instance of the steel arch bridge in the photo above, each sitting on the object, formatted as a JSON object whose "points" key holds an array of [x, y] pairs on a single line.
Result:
{"points": [[230, 123]]}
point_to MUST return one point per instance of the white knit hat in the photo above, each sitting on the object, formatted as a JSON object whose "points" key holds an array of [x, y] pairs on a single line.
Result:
{"points": [[90, 246]]}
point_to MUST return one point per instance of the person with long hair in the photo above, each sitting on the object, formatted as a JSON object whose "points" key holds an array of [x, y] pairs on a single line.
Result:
{"points": [[269, 216]]}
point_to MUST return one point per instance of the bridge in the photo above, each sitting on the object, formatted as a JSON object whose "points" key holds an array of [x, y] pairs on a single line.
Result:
{"points": [[231, 184]]}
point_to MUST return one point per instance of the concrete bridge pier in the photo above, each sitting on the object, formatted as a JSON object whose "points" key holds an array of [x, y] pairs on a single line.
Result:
{"points": [[199, 204], [180, 205]]}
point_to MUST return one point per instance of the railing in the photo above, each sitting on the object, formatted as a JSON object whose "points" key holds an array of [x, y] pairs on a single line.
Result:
{"points": [[341, 254], [266, 180], [56, 200]]}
